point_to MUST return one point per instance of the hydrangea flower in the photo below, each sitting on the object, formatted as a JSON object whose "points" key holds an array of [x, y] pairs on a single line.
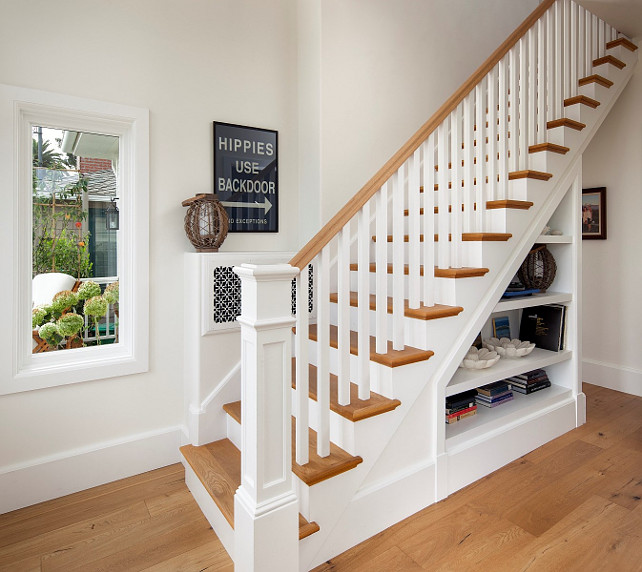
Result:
{"points": [[38, 315], [64, 300], [88, 290], [70, 324], [49, 333], [96, 306], [111, 293]]}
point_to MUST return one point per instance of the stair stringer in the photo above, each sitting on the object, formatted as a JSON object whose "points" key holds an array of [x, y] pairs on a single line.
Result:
{"points": [[431, 469]]}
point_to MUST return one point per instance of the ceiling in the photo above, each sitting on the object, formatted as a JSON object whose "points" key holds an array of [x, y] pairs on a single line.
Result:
{"points": [[624, 15]]}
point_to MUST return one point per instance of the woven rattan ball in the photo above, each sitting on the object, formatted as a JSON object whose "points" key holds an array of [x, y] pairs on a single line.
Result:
{"points": [[206, 222], [538, 269]]}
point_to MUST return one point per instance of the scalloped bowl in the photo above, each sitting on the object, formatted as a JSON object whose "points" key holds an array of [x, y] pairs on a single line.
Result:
{"points": [[509, 348], [479, 359]]}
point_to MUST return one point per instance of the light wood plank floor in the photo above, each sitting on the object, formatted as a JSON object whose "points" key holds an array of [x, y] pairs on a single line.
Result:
{"points": [[573, 504]]}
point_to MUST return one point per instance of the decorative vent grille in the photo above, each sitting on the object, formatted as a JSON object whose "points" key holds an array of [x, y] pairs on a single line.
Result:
{"points": [[310, 292], [226, 306]]}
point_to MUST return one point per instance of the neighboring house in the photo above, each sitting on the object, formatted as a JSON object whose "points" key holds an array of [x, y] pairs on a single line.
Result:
{"points": [[351, 98]]}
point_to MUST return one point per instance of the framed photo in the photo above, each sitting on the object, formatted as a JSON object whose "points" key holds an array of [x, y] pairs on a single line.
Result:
{"points": [[594, 213], [501, 327], [246, 177]]}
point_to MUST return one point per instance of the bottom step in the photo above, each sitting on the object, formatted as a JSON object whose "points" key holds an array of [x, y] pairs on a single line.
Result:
{"points": [[218, 467]]}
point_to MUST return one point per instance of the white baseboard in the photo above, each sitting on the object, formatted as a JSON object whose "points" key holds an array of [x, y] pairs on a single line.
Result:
{"points": [[54, 476], [612, 376]]}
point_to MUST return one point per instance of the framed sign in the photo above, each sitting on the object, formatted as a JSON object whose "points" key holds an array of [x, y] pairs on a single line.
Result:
{"points": [[594, 213], [246, 177]]}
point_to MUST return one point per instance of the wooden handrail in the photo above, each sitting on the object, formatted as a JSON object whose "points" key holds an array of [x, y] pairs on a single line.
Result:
{"points": [[339, 220]]}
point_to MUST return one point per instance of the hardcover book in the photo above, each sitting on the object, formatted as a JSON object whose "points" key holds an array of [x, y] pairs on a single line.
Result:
{"points": [[543, 325], [504, 399], [493, 388], [532, 388]]}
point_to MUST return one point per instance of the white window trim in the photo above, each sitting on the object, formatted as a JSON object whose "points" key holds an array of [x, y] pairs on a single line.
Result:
{"points": [[20, 109]]}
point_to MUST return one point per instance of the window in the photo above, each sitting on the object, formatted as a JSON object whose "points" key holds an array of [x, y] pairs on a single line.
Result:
{"points": [[60, 218]]}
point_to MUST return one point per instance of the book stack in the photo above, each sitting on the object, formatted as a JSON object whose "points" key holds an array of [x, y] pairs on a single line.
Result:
{"points": [[460, 406], [494, 394], [530, 382]]}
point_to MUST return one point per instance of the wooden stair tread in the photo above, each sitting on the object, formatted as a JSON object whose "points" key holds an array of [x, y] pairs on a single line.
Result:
{"points": [[422, 313], [233, 410], [596, 78], [549, 147], [629, 45], [357, 409], [465, 237], [392, 358], [509, 204], [466, 272], [529, 174], [218, 466], [609, 59], [582, 100], [565, 122]]}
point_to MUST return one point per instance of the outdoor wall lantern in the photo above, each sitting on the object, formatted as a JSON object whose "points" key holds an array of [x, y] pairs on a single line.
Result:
{"points": [[112, 215]]}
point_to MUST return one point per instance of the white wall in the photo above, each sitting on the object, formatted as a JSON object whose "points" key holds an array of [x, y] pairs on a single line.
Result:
{"points": [[386, 68], [190, 63], [611, 269]]}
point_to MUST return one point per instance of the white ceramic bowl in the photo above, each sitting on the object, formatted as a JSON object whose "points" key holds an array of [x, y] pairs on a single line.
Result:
{"points": [[509, 348], [479, 359]]}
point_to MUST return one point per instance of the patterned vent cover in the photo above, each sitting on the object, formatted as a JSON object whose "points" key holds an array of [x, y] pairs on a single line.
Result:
{"points": [[310, 292], [227, 295]]}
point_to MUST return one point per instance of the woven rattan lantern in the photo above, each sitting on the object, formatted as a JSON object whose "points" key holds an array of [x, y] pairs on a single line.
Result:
{"points": [[206, 222], [538, 269]]}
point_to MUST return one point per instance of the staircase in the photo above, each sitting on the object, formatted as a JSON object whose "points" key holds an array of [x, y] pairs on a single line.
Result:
{"points": [[346, 431]]}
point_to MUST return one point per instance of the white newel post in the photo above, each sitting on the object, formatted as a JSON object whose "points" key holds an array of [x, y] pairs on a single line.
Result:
{"points": [[266, 529]]}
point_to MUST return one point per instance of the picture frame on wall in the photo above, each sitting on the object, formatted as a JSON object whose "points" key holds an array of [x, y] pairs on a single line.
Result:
{"points": [[594, 213]]}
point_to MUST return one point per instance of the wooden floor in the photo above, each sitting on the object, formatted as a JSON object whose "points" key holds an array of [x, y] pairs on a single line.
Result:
{"points": [[573, 504]]}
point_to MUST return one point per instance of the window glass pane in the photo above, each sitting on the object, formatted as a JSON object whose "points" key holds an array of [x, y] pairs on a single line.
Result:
{"points": [[75, 239]]}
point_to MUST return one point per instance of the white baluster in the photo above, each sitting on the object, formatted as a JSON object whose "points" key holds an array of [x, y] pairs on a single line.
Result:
{"points": [[567, 48], [502, 165], [343, 322], [532, 89], [398, 194], [491, 131], [443, 250], [588, 48], [513, 124], [455, 193], [541, 81], [581, 42], [596, 40], [523, 102], [429, 219], [601, 44], [363, 304], [559, 61], [574, 62], [414, 221], [323, 350], [381, 276], [469, 167], [480, 156], [302, 364]]}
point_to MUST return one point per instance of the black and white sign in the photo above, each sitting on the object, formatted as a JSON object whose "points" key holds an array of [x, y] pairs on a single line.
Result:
{"points": [[246, 176]]}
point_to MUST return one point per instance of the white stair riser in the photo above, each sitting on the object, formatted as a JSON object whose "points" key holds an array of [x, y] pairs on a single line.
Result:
{"points": [[233, 430], [582, 113], [607, 70], [565, 136], [623, 54], [596, 91], [547, 161]]}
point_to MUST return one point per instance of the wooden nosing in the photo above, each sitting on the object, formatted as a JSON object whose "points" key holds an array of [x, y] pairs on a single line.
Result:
{"points": [[466, 272], [609, 59], [422, 313], [529, 174], [357, 409], [582, 100], [306, 528], [392, 358], [509, 204], [565, 122], [465, 236], [622, 42], [596, 78], [549, 147], [233, 410]]}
